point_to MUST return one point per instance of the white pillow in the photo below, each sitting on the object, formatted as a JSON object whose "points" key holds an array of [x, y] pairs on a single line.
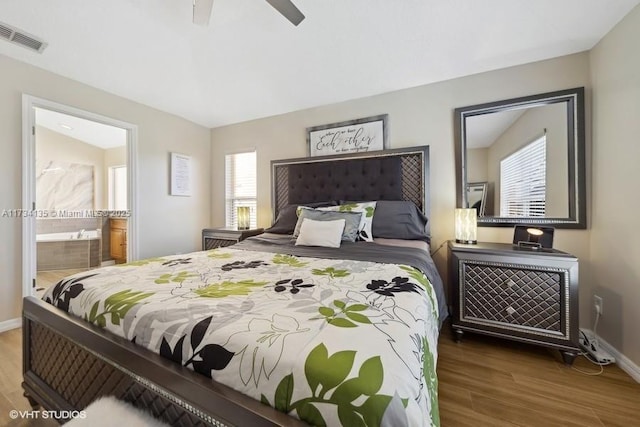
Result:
{"points": [[320, 233], [366, 221]]}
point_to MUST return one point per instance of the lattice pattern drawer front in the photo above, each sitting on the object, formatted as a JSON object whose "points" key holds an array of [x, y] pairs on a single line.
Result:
{"points": [[211, 243], [514, 296], [515, 282], [80, 378]]}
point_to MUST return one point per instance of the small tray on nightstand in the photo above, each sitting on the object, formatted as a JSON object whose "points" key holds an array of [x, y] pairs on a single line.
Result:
{"points": [[225, 236]]}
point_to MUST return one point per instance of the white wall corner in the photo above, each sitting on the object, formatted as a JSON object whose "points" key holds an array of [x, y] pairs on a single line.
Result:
{"points": [[10, 324], [622, 361]]}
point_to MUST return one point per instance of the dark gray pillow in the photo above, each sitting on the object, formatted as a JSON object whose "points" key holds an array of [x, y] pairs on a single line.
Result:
{"points": [[352, 221], [397, 219], [287, 218]]}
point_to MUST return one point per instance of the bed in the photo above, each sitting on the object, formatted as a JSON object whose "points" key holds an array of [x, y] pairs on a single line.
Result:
{"points": [[265, 332]]}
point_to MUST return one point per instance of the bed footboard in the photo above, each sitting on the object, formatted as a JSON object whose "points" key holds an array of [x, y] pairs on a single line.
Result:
{"points": [[68, 363]]}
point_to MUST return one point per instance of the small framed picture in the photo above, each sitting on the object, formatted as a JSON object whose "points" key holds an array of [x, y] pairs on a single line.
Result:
{"points": [[180, 175]]}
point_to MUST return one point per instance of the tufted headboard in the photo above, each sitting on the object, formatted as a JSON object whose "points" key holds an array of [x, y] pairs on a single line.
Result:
{"points": [[398, 174]]}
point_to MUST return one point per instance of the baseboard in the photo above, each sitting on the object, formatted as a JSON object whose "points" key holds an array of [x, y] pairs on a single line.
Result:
{"points": [[622, 361], [10, 324], [107, 263]]}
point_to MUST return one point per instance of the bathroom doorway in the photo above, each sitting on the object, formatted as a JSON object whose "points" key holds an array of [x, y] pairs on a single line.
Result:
{"points": [[78, 170]]}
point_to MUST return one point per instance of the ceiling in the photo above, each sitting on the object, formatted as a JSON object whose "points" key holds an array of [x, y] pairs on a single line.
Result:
{"points": [[250, 62], [484, 129], [94, 133]]}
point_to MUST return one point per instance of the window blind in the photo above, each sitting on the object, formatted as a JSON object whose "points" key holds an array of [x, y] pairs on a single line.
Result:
{"points": [[240, 186], [523, 181]]}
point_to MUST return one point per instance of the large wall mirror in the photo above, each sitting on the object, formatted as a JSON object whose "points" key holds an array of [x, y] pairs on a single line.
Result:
{"points": [[522, 160]]}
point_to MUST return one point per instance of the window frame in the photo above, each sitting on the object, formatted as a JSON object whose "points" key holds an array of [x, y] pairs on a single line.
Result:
{"points": [[232, 200]]}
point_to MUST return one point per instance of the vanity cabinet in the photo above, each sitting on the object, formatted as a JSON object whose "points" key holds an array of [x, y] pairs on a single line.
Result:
{"points": [[118, 239], [520, 294]]}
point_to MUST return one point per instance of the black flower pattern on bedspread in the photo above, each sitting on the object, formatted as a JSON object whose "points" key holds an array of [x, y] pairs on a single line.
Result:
{"points": [[397, 284], [204, 360], [65, 290], [177, 261], [237, 265], [294, 285]]}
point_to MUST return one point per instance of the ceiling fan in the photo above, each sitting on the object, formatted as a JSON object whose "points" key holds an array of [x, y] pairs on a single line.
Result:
{"points": [[202, 11]]}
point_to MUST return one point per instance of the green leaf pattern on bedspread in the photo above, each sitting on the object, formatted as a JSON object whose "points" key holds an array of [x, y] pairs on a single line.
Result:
{"points": [[225, 289], [328, 384], [332, 342], [343, 315], [115, 306], [290, 260], [168, 277]]}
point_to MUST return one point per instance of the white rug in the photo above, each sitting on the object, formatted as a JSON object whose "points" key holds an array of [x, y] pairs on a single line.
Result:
{"points": [[111, 412]]}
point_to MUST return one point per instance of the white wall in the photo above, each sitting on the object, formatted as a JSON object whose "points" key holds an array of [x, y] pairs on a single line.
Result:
{"points": [[167, 224], [615, 251], [418, 116]]}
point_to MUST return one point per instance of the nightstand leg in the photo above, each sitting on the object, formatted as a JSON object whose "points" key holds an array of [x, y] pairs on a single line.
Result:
{"points": [[458, 334], [568, 357]]}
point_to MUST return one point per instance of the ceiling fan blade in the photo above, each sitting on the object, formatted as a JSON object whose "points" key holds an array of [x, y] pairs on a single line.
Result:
{"points": [[288, 10], [202, 11]]}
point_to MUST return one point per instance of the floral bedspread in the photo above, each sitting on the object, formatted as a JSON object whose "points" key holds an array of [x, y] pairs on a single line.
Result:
{"points": [[332, 342]]}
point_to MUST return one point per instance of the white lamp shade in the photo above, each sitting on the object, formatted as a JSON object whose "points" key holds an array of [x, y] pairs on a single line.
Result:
{"points": [[466, 226]]}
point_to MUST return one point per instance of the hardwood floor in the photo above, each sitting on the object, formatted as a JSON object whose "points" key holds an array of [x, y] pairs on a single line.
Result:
{"points": [[10, 378], [483, 382], [45, 279], [486, 381]]}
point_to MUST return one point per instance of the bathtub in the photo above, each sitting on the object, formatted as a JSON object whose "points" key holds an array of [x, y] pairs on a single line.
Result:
{"points": [[69, 235], [61, 251]]}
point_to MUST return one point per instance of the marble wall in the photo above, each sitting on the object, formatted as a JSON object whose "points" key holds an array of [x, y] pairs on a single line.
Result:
{"points": [[63, 185]]}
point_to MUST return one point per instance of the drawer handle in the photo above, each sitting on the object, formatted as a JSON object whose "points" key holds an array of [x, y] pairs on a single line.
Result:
{"points": [[510, 310]]}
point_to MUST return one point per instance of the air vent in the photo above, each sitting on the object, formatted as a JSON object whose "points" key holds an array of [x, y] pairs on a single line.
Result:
{"points": [[19, 37]]}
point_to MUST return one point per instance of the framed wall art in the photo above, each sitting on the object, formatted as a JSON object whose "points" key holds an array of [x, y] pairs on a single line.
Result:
{"points": [[353, 136], [180, 175]]}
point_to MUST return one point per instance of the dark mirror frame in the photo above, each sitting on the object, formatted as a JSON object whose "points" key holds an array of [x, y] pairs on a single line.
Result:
{"points": [[574, 99]]}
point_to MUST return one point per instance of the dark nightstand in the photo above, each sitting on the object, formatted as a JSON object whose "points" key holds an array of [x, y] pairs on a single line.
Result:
{"points": [[225, 236], [520, 294]]}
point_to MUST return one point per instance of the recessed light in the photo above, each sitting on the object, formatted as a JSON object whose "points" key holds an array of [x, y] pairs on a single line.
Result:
{"points": [[65, 126]]}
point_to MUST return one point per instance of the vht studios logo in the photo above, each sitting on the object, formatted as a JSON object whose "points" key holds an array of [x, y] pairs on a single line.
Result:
{"points": [[54, 415]]}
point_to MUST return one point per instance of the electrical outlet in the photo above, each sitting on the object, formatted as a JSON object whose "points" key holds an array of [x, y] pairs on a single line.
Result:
{"points": [[597, 304]]}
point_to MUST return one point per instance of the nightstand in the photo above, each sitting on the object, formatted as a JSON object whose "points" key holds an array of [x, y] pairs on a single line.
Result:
{"points": [[521, 294], [225, 236]]}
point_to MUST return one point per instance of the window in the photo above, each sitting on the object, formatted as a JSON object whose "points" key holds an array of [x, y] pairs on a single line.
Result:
{"points": [[117, 188], [523, 181], [240, 186]]}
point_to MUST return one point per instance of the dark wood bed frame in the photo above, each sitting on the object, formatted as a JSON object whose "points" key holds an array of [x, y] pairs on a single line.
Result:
{"points": [[68, 363]]}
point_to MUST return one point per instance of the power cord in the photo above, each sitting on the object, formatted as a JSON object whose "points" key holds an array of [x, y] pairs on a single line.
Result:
{"points": [[595, 341]]}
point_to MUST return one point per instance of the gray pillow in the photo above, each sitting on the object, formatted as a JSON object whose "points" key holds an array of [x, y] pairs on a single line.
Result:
{"points": [[352, 221], [397, 219], [287, 217]]}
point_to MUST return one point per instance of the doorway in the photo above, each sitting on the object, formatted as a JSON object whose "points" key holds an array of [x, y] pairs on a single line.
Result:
{"points": [[79, 186]]}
